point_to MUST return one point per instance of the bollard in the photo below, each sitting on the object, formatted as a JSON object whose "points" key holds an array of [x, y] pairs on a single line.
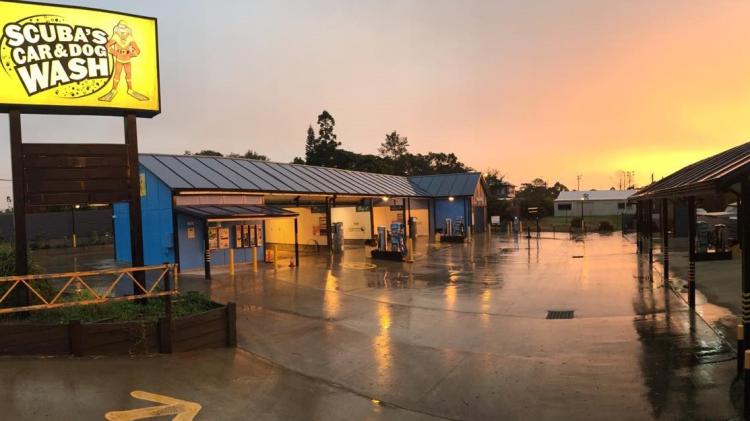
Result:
{"points": [[275, 255], [231, 261], [740, 347], [255, 258], [747, 389]]}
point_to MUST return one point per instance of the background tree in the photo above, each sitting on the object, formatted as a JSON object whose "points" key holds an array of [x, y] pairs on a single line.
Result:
{"points": [[394, 147], [537, 194], [497, 204], [321, 150], [209, 152]]}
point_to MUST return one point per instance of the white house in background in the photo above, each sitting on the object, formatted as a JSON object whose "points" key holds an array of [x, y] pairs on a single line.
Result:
{"points": [[594, 202]]}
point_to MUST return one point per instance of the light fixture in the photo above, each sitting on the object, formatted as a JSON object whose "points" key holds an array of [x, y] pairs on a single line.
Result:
{"points": [[78, 206], [450, 199], [385, 198]]}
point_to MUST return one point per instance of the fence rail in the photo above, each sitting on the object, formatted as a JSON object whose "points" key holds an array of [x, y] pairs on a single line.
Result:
{"points": [[57, 298]]}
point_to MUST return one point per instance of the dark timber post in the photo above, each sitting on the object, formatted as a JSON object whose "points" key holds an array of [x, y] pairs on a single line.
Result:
{"points": [[403, 218], [329, 234], [207, 252], [136, 222], [744, 226], [638, 225], [691, 251], [649, 229], [296, 244], [372, 219], [665, 238], [19, 195]]}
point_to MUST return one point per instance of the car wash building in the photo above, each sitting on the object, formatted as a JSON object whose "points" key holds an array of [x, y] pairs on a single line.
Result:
{"points": [[199, 210]]}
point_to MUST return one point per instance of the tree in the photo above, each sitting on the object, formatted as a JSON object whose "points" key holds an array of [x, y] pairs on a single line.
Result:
{"points": [[251, 154], [321, 150], [209, 152], [394, 146], [537, 194], [497, 203]]}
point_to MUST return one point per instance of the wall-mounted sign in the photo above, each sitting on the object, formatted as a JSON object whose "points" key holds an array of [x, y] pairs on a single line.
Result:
{"points": [[363, 208], [213, 238], [318, 209], [93, 61], [397, 207], [143, 184], [223, 238]]}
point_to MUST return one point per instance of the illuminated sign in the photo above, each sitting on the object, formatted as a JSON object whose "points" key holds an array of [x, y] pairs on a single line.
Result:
{"points": [[88, 61]]}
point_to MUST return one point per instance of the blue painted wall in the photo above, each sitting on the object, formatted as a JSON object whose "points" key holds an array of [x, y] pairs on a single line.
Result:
{"points": [[156, 208], [444, 208], [191, 249]]}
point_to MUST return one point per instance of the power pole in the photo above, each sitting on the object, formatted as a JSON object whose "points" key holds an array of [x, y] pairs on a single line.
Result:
{"points": [[578, 177]]}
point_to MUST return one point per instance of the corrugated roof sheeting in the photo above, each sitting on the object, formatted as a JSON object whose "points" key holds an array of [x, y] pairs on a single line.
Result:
{"points": [[705, 175], [183, 172], [234, 211], [446, 185]]}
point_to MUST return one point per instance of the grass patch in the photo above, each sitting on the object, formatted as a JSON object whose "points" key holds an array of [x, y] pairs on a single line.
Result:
{"points": [[562, 223], [119, 311]]}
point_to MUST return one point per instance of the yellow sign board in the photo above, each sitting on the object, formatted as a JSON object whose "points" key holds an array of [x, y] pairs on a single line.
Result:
{"points": [[87, 61]]}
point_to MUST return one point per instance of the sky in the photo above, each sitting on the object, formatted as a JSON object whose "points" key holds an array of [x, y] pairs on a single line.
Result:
{"points": [[551, 89]]}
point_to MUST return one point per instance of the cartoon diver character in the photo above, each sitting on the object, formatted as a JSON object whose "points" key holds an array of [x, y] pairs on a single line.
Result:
{"points": [[123, 48]]}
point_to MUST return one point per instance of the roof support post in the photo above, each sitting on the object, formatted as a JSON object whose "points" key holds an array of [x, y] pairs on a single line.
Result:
{"points": [[329, 236], [744, 226], [665, 238], [372, 219], [650, 230], [206, 252], [296, 244], [638, 226], [691, 251]]}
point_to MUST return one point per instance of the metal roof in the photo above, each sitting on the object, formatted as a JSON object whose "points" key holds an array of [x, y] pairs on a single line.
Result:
{"points": [[567, 196], [446, 185], [234, 211], [191, 172], [705, 176]]}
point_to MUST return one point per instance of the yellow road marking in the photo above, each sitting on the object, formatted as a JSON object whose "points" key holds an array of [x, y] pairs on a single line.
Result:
{"points": [[183, 410]]}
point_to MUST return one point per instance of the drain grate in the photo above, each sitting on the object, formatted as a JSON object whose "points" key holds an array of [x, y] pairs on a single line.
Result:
{"points": [[560, 314]]}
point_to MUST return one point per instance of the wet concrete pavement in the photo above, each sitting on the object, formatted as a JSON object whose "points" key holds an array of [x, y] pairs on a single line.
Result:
{"points": [[459, 334]]}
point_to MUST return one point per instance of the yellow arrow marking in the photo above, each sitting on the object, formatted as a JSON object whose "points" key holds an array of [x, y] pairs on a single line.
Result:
{"points": [[183, 410]]}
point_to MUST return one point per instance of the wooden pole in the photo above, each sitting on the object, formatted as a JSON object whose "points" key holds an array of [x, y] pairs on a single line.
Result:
{"points": [[206, 253], [744, 226], [296, 243], [665, 238], [649, 230], [19, 202], [136, 218], [372, 219], [329, 234], [691, 251]]}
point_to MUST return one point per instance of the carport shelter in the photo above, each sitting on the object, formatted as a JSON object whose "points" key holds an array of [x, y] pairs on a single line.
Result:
{"points": [[726, 172]]}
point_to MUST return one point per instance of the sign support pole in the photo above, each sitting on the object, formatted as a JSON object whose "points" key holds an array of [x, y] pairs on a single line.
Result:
{"points": [[19, 198], [136, 221]]}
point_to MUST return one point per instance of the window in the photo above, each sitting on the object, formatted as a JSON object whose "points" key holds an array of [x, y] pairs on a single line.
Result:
{"points": [[564, 206]]}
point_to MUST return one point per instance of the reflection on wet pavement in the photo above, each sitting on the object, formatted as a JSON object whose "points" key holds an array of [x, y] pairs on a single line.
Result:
{"points": [[462, 334]]}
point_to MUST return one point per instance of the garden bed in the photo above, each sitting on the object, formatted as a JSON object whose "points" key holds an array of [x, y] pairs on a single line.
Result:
{"points": [[121, 328]]}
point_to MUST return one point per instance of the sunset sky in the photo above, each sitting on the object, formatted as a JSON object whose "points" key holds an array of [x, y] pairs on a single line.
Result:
{"points": [[546, 89]]}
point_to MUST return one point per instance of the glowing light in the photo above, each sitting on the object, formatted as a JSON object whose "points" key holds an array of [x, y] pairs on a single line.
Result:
{"points": [[450, 199], [385, 198]]}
